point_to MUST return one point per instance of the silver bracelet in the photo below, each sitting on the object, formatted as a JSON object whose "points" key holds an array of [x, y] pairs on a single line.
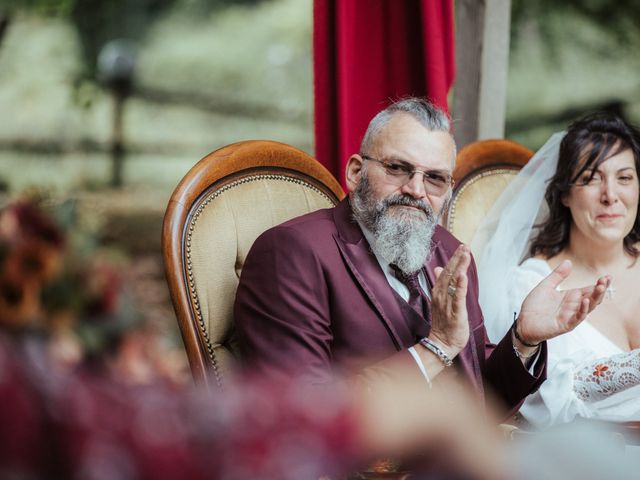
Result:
{"points": [[437, 351], [521, 355]]}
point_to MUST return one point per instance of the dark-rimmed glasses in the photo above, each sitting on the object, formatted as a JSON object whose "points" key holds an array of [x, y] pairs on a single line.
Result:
{"points": [[435, 181]]}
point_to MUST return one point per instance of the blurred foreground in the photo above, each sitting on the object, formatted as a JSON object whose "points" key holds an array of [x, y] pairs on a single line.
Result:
{"points": [[69, 276], [87, 425], [90, 388]]}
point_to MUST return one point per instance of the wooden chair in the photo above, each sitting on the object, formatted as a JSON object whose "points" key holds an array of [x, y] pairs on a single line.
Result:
{"points": [[214, 215], [483, 170], [237, 192]]}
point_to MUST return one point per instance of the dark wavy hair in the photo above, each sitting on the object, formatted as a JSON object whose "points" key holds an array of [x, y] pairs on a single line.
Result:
{"points": [[588, 142]]}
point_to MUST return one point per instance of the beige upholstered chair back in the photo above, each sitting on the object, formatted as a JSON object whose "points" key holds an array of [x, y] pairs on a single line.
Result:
{"points": [[483, 170], [214, 215]]}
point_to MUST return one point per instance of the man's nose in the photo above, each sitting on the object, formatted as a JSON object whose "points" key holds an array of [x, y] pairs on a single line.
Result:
{"points": [[415, 186]]}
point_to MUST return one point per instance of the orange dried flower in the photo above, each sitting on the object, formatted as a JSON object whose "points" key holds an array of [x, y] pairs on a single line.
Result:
{"points": [[600, 369], [34, 261], [19, 303]]}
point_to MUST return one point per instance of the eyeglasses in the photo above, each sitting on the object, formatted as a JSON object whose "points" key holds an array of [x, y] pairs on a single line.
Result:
{"points": [[435, 181]]}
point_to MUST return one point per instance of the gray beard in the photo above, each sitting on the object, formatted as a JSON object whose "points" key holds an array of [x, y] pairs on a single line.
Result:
{"points": [[401, 237]]}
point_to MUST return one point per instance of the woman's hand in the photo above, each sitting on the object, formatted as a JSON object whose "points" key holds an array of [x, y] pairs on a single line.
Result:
{"points": [[547, 312]]}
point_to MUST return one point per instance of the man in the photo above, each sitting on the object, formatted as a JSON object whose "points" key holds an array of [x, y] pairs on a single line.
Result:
{"points": [[337, 289]]}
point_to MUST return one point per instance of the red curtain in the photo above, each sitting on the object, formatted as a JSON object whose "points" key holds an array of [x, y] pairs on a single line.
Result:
{"points": [[368, 52]]}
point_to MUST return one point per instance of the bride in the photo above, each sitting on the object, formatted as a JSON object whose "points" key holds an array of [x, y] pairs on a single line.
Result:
{"points": [[577, 200]]}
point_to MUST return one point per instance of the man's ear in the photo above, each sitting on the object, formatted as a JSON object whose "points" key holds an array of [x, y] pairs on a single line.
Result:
{"points": [[353, 172]]}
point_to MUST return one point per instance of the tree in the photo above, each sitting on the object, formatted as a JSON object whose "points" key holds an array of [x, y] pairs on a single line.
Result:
{"points": [[620, 19], [99, 21]]}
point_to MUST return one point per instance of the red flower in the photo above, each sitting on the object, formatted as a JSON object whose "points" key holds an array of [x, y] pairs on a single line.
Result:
{"points": [[36, 224], [600, 369]]}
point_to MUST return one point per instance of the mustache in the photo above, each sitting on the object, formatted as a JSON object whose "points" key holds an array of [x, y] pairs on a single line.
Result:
{"points": [[404, 200]]}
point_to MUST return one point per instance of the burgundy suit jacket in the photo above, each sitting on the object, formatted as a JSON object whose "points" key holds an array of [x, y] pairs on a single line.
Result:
{"points": [[313, 300]]}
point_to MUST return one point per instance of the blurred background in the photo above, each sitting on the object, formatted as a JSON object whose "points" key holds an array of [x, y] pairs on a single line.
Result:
{"points": [[570, 58], [106, 104]]}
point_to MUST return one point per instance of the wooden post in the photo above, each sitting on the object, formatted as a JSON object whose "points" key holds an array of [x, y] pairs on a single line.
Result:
{"points": [[482, 60]]}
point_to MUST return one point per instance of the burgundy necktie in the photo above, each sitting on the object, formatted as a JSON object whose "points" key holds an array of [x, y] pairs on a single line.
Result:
{"points": [[418, 300]]}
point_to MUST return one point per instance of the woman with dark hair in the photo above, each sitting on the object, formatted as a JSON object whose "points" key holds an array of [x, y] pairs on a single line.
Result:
{"points": [[588, 144], [577, 200]]}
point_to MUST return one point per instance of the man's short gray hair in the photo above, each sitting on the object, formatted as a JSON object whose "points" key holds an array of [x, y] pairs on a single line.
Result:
{"points": [[429, 115]]}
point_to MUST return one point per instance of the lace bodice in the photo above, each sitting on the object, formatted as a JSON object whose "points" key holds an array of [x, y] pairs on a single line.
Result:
{"points": [[588, 375], [607, 376]]}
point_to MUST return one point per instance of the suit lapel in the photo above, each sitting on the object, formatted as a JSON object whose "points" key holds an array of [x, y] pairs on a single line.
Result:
{"points": [[367, 272]]}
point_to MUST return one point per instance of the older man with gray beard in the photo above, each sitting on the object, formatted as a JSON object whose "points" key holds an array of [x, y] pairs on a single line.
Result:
{"points": [[404, 240], [375, 280]]}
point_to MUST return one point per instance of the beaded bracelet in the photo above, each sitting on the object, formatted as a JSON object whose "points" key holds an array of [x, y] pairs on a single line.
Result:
{"points": [[514, 329], [519, 354]]}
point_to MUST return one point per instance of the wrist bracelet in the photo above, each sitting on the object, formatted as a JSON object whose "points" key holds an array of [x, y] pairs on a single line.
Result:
{"points": [[514, 329], [437, 351], [519, 354]]}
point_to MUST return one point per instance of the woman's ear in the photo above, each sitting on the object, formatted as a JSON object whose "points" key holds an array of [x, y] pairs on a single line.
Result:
{"points": [[564, 199], [353, 172]]}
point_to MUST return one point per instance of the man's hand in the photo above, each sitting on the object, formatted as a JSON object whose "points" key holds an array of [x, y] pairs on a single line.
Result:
{"points": [[547, 312], [449, 319]]}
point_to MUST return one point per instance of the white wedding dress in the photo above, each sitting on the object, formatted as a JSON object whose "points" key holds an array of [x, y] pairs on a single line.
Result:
{"points": [[588, 376]]}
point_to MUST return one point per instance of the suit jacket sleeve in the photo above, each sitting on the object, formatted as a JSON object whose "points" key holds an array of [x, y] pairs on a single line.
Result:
{"points": [[282, 309], [504, 374]]}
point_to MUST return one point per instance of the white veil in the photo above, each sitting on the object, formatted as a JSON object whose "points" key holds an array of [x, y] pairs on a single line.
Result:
{"points": [[502, 240]]}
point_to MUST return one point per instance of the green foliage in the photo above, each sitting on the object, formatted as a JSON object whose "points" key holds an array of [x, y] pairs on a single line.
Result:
{"points": [[243, 72], [618, 19], [66, 7], [567, 59], [199, 8], [41, 7], [99, 21]]}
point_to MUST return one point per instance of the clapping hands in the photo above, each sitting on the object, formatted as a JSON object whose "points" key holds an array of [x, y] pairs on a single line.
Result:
{"points": [[449, 317], [547, 312]]}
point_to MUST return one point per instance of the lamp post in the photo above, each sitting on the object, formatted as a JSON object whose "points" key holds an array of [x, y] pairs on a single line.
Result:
{"points": [[116, 68]]}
